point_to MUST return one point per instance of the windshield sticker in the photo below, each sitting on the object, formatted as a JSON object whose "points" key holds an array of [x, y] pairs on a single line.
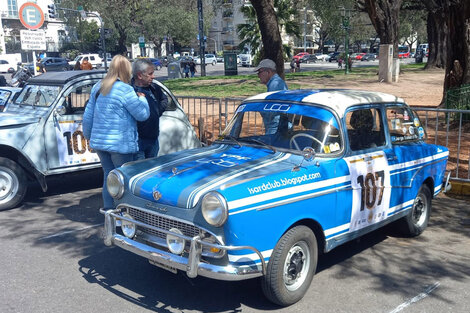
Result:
{"points": [[283, 182], [274, 107], [72, 146]]}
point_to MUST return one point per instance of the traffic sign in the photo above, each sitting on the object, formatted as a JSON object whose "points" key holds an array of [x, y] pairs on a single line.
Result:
{"points": [[142, 42], [31, 15], [33, 39]]}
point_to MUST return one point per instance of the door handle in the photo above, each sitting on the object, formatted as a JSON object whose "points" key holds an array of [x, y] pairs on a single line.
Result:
{"points": [[392, 158]]}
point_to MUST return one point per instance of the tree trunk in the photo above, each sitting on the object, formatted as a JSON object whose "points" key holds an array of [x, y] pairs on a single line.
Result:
{"points": [[438, 30], [269, 28], [458, 44], [384, 15]]}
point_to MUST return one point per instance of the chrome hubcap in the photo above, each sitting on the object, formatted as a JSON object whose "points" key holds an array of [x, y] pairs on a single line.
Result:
{"points": [[8, 184], [296, 266]]}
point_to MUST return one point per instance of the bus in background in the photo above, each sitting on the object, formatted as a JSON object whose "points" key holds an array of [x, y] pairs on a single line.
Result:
{"points": [[403, 52]]}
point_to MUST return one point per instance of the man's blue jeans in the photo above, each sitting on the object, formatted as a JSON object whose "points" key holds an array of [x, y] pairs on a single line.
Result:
{"points": [[148, 148], [110, 161]]}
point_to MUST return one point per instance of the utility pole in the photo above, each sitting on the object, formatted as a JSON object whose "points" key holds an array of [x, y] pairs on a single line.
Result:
{"points": [[346, 15], [202, 54], [305, 30]]}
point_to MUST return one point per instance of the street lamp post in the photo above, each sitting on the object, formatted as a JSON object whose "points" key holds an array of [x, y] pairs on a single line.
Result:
{"points": [[346, 15], [215, 44]]}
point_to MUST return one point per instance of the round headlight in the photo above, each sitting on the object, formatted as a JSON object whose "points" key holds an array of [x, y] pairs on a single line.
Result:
{"points": [[175, 244], [214, 209], [115, 184], [128, 228]]}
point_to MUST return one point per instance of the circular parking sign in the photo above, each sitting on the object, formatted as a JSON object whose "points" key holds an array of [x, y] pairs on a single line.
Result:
{"points": [[31, 15]]}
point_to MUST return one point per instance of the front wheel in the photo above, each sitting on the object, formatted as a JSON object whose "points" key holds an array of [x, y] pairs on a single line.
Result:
{"points": [[13, 184], [213, 63], [417, 219], [291, 266]]}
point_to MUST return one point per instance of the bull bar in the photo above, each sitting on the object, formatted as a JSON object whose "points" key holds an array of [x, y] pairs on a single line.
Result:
{"points": [[192, 264]]}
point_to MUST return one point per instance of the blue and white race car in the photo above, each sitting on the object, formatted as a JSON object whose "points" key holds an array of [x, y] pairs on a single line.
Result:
{"points": [[296, 172]]}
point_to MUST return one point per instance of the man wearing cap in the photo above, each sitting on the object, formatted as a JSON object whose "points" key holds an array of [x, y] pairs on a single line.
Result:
{"points": [[267, 75]]}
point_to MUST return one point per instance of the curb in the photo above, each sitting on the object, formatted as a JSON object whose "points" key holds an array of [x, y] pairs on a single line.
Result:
{"points": [[459, 188]]}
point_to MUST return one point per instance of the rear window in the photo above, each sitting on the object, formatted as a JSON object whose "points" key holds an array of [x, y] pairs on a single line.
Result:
{"points": [[404, 125]]}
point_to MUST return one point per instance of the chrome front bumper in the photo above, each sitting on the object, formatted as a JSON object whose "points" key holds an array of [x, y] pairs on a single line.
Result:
{"points": [[192, 264]]}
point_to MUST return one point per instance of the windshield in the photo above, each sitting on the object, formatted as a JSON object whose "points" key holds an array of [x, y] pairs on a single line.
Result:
{"points": [[38, 95], [285, 126]]}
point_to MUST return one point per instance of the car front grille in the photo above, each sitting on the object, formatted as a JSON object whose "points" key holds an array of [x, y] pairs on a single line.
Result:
{"points": [[161, 222]]}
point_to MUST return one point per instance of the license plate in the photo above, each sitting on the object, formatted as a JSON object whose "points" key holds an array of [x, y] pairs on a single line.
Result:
{"points": [[164, 266]]}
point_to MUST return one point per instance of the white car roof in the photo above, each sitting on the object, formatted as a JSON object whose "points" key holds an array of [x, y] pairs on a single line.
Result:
{"points": [[337, 99]]}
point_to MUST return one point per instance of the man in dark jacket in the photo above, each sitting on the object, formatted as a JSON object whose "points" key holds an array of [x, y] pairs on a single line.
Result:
{"points": [[143, 75]]}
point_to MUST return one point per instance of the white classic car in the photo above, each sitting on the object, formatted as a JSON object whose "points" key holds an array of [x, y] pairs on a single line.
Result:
{"points": [[41, 132]]}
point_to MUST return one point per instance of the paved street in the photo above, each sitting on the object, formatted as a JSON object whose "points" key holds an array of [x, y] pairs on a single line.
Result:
{"points": [[53, 260], [218, 69]]}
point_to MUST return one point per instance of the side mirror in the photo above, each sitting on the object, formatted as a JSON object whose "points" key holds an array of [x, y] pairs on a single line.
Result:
{"points": [[308, 153], [60, 110]]}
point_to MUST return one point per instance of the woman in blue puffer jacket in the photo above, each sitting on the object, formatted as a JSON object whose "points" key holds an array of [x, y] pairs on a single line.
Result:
{"points": [[110, 119]]}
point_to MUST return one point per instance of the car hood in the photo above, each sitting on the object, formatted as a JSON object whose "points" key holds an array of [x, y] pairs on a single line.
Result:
{"points": [[9, 119], [181, 179]]}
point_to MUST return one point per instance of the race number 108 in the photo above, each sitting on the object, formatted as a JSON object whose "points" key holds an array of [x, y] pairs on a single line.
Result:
{"points": [[76, 143]]}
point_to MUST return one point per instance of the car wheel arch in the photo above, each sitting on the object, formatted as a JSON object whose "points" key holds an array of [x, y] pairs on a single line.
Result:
{"points": [[16, 156], [316, 228]]}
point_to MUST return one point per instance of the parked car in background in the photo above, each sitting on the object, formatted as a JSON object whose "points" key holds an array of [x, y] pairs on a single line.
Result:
{"points": [[268, 198], [108, 61], [358, 56], [308, 58], [246, 59], [368, 57], [94, 58], [299, 55], [333, 56], [41, 131], [321, 56], [208, 59], [53, 64], [6, 67], [155, 61], [220, 59]]}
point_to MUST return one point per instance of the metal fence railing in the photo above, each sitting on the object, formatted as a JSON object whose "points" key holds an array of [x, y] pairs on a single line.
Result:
{"points": [[446, 127]]}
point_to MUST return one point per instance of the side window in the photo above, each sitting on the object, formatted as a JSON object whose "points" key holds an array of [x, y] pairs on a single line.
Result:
{"points": [[92, 58], [171, 103], [403, 125], [365, 129], [77, 99]]}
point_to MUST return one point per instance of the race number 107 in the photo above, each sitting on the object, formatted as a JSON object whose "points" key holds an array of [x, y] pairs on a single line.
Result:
{"points": [[371, 194], [76, 143]]}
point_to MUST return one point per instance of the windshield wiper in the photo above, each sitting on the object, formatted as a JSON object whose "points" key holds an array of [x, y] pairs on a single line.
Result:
{"points": [[259, 142], [229, 138]]}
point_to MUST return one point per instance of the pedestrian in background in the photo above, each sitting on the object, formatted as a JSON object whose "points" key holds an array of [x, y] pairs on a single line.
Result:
{"points": [[148, 130], [192, 68], [297, 65], [86, 65], [266, 70], [186, 70], [40, 66], [340, 63], [292, 66], [77, 66], [110, 120]]}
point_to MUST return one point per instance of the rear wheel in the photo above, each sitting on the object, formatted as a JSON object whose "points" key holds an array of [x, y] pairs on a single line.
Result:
{"points": [[13, 184], [291, 266], [417, 219], [213, 63]]}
